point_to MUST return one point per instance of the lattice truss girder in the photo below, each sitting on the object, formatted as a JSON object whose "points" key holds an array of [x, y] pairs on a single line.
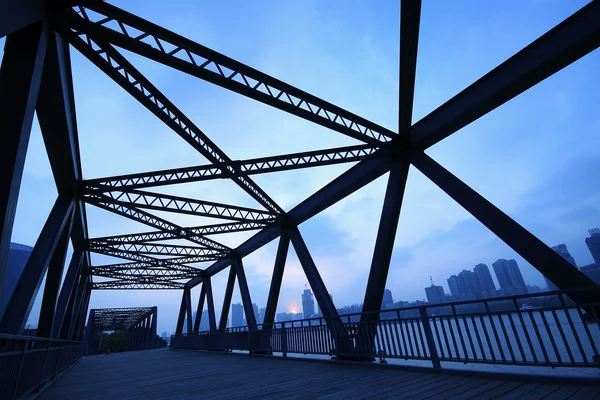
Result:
{"points": [[118, 319], [95, 28], [128, 30]]}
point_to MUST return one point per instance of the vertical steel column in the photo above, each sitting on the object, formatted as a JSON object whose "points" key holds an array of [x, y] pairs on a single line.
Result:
{"points": [[154, 328], [67, 292], [84, 310], [245, 293], [20, 76], [537, 253], [179, 328], [53, 279], [19, 305], [90, 334], [188, 309], [211, 304], [200, 309], [384, 244], [282, 251], [69, 330], [227, 298], [147, 332]]}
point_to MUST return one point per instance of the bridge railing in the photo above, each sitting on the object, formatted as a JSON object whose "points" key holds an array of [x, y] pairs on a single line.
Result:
{"points": [[542, 329], [27, 363]]}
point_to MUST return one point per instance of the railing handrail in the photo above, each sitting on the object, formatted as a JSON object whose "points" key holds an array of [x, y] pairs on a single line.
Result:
{"points": [[36, 338], [425, 306]]}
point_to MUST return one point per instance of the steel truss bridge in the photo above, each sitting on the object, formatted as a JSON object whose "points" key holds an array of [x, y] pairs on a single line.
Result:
{"points": [[36, 77], [138, 323]]}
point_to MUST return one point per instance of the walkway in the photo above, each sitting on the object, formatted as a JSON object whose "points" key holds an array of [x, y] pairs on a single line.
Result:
{"points": [[165, 374]]}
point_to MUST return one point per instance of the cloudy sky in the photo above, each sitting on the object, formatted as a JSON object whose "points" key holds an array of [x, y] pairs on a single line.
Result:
{"points": [[534, 157]]}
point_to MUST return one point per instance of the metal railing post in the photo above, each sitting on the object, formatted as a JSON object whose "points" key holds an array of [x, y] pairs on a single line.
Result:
{"points": [[57, 360], [283, 339], [14, 396], [44, 367], [435, 360]]}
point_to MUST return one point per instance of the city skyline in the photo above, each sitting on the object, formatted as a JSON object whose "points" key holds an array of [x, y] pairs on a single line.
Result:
{"points": [[547, 192]]}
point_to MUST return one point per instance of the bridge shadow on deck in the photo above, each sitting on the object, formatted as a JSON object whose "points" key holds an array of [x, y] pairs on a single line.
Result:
{"points": [[165, 374]]}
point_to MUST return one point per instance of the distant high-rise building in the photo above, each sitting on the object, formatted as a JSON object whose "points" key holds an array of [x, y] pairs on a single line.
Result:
{"points": [[262, 315], [18, 254], [388, 300], [471, 284], [255, 308], [562, 250], [237, 315], [164, 335], [593, 272], [593, 243], [435, 294], [485, 279], [204, 322], [308, 303], [454, 287], [509, 277]]}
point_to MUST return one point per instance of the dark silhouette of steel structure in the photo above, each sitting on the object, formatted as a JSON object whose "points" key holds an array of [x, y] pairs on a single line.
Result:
{"points": [[36, 76], [139, 323]]}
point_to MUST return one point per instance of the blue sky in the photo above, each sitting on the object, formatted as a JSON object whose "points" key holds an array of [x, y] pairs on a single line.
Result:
{"points": [[534, 157]]}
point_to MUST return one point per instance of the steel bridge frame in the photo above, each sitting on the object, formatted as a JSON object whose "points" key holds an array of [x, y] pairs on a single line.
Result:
{"points": [[140, 323], [36, 76]]}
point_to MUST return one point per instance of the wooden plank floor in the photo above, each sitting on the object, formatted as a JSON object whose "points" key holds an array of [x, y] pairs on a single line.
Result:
{"points": [[165, 374]]}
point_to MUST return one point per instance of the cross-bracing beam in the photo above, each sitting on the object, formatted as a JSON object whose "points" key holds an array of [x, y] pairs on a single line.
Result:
{"points": [[246, 167], [138, 238], [159, 223], [570, 40], [178, 52], [165, 202], [123, 73], [165, 249], [133, 284]]}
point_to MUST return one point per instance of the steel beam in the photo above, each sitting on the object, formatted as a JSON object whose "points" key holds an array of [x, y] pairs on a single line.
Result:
{"points": [[350, 181], [570, 40], [280, 258], [181, 205], [246, 167], [312, 274], [18, 14], [68, 293], [53, 280], [227, 298], [188, 309], [207, 64], [139, 238], [245, 293], [78, 332], [199, 309], [159, 223], [410, 19], [19, 305], [181, 318], [55, 110], [20, 76], [539, 255], [384, 244], [69, 329], [161, 249], [123, 73], [137, 284], [211, 304]]}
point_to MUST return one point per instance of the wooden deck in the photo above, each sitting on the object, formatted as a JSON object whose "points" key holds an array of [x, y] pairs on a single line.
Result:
{"points": [[164, 374]]}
